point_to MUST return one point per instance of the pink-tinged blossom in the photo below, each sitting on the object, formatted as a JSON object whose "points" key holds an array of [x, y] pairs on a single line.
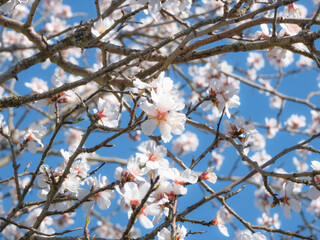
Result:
{"points": [[252, 74], [46, 222], [262, 199], [161, 85], [134, 168], [219, 221], [313, 193], [167, 192], [55, 25], [289, 30], [314, 207], [64, 220], [314, 126], [266, 84], [154, 6], [80, 168], [258, 142], [300, 165], [269, 221], [217, 6], [102, 198], [208, 175], [10, 38], [279, 57], [165, 234], [294, 11], [107, 113], [32, 136], [304, 61], [123, 175], [101, 26], [264, 33], [163, 112], [287, 201], [295, 122], [240, 129], [45, 176], [184, 5], [255, 60], [275, 102], [59, 98], [217, 158], [133, 193], [272, 126], [9, 6], [221, 97], [12, 232], [152, 155], [187, 142], [57, 9], [225, 215], [37, 85], [261, 157], [186, 176], [73, 138], [250, 236], [132, 196]]}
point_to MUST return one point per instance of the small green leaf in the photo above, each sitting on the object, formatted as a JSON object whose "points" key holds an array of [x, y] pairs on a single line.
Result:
{"points": [[80, 119]]}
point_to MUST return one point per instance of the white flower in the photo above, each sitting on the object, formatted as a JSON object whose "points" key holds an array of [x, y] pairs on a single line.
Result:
{"points": [[269, 221], [208, 175], [64, 220], [101, 26], [295, 11], [261, 157], [107, 113], [165, 234], [184, 5], [275, 102], [8, 7], [287, 201], [163, 112], [265, 33], [262, 199], [295, 122], [73, 138], [134, 168], [279, 57], [217, 158], [220, 223], [313, 193], [154, 6], [255, 60], [240, 129], [132, 195], [32, 136], [272, 126], [186, 143], [187, 175], [37, 85], [47, 221], [249, 236], [221, 96], [152, 155], [103, 198], [301, 166], [314, 207]]}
